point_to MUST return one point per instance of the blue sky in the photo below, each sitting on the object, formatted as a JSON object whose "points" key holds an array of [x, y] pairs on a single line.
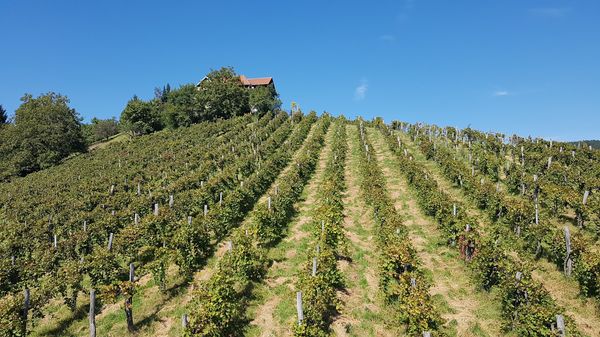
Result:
{"points": [[525, 67]]}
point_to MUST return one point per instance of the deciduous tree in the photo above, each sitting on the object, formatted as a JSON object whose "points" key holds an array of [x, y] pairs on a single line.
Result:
{"points": [[140, 117], [222, 95], [46, 130]]}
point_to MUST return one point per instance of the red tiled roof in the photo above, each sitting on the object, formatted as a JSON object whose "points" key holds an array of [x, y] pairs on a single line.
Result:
{"points": [[256, 81]]}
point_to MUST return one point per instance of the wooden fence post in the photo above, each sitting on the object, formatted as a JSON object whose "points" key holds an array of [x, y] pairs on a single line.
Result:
{"points": [[184, 321], [314, 266]]}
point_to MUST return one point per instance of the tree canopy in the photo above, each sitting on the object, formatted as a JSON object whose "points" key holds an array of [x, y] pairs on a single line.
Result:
{"points": [[140, 117], [3, 116], [46, 130], [222, 95], [100, 129], [263, 99]]}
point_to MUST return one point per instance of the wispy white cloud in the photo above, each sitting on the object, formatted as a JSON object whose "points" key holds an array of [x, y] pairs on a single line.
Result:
{"points": [[387, 38], [500, 93], [360, 92], [550, 12]]}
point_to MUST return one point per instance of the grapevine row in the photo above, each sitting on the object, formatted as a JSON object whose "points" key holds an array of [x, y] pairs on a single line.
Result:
{"points": [[137, 238], [545, 238], [401, 277], [320, 277], [527, 307], [218, 305]]}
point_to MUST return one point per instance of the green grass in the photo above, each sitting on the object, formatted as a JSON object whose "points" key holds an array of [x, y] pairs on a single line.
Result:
{"points": [[120, 137]]}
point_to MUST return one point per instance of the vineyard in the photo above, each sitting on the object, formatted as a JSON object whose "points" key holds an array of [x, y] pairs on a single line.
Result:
{"points": [[306, 225]]}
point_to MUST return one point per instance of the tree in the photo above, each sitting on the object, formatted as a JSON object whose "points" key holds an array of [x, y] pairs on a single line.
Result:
{"points": [[8, 151], [141, 117], [222, 95], [182, 107], [100, 129], [3, 116], [105, 128], [46, 130], [264, 99], [162, 94]]}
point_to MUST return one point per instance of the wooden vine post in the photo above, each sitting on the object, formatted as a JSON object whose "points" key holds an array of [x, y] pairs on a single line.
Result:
{"points": [[560, 325], [299, 307], [129, 300], [110, 241], [568, 264], [92, 314], [26, 296]]}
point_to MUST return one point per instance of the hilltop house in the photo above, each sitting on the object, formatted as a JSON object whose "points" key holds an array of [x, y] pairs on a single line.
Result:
{"points": [[249, 83]]}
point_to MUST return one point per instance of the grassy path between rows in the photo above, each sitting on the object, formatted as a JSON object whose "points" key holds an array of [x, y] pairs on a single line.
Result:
{"points": [[565, 291], [273, 308], [468, 312], [361, 314]]}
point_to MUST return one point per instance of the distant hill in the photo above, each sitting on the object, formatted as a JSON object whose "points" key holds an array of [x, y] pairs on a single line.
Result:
{"points": [[594, 143]]}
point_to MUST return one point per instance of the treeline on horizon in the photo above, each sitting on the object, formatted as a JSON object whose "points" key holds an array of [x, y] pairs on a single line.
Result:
{"points": [[45, 130], [593, 143]]}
